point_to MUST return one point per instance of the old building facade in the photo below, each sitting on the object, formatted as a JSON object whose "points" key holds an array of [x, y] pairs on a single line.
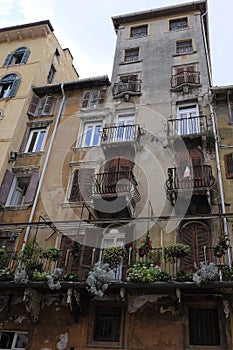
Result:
{"points": [[134, 172]]}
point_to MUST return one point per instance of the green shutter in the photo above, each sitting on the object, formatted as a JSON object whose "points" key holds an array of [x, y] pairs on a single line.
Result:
{"points": [[14, 87], [25, 56], [8, 59]]}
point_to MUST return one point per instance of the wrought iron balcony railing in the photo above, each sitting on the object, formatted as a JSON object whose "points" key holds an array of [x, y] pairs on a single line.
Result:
{"points": [[132, 87], [108, 183], [190, 125], [120, 133], [179, 79]]}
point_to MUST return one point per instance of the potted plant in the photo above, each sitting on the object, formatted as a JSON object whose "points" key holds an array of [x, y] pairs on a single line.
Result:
{"points": [[114, 255], [32, 257], [4, 257], [221, 246], [146, 246], [51, 253], [176, 251]]}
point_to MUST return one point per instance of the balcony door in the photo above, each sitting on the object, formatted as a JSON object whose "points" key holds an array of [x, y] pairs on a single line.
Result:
{"points": [[197, 236], [191, 170], [125, 127], [117, 170], [188, 122]]}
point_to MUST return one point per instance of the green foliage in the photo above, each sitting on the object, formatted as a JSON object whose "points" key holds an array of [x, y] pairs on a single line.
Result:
{"points": [[221, 246], [177, 250], [6, 275], [145, 247], [113, 255], [183, 276], [4, 256], [32, 254], [39, 276], [71, 276], [51, 253], [146, 273]]}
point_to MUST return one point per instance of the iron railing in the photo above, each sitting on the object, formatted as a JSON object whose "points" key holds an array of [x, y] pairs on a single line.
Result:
{"points": [[132, 87], [185, 77], [120, 133], [190, 125]]}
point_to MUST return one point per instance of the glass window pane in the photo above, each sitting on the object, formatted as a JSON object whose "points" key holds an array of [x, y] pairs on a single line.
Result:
{"points": [[33, 141], [96, 137], [87, 136], [39, 141], [21, 341]]}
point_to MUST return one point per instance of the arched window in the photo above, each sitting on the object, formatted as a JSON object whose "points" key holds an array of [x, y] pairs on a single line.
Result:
{"points": [[9, 85], [19, 56]]}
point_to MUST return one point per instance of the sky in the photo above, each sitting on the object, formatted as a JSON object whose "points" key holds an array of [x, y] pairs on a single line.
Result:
{"points": [[86, 28]]}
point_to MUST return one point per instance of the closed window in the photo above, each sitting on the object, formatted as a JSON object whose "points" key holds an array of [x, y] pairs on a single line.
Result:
{"points": [[187, 74], [81, 189], [18, 189], [132, 55], [204, 327], [36, 140], [178, 24], [51, 74], [41, 106], [107, 324], [184, 46], [13, 340], [91, 134], [9, 86], [93, 98], [188, 122], [139, 31], [228, 160], [19, 56]]}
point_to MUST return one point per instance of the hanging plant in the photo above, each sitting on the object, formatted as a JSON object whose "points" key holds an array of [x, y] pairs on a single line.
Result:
{"points": [[221, 246], [177, 250], [113, 256], [146, 246]]}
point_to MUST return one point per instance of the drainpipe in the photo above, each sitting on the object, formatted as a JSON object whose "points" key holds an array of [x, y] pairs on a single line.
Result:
{"points": [[213, 120], [44, 167]]}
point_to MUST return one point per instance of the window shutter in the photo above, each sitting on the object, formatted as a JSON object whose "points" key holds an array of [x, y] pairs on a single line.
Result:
{"points": [[93, 238], [82, 185], [85, 99], [33, 105], [6, 185], [31, 190], [228, 160], [48, 106], [8, 59], [25, 56], [14, 87]]}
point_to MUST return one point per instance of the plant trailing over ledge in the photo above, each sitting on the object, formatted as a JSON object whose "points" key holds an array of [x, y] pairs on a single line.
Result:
{"points": [[114, 255], [146, 246], [221, 246], [99, 278], [146, 273], [207, 272], [6, 275], [177, 250]]}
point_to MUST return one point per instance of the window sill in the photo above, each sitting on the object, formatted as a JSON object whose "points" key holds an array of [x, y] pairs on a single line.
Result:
{"points": [[30, 154], [103, 344], [125, 63], [75, 204], [16, 207], [184, 53]]}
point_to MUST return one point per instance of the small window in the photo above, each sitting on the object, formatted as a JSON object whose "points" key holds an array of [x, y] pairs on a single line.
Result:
{"points": [[51, 74], [228, 160], [178, 24], [81, 189], [184, 47], [187, 74], [36, 140], [204, 327], [132, 55], [9, 86], [139, 32], [93, 98], [13, 340], [41, 106], [91, 134], [17, 57], [107, 324]]}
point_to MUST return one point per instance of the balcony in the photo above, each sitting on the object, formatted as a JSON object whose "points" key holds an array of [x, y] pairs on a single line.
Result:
{"points": [[128, 87], [198, 180], [188, 126], [115, 193], [185, 78]]}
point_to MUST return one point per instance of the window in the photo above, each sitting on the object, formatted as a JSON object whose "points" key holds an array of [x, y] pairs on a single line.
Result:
{"points": [[13, 340], [187, 74], [132, 55], [9, 86], [126, 127], [36, 140], [184, 46], [228, 160], [178, 24], [17, 57], [113, 237], [51, 74], [41, 106], [18, 189], [139, 32], [81, 189], [188, 122], [91, 134], [93, 98], [204, 327], [107, 324]]}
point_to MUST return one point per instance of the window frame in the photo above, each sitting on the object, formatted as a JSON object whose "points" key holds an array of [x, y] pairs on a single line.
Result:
{"points": [[41, 106], [178, 27], [51, 74], [10, 84], [229, 174], [16, 333], [81, 182], [131, 52], [139, 34], [94, 98], [29, 142], [184, 50], [83, 133], [11, 59]]}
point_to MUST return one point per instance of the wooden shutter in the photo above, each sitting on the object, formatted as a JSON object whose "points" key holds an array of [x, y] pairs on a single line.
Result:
{"points": [[33, 105], [48, 106], [31, 190], [5, 187], [8, 59], [82, 185], [228, 160], [14, 87], [86, 97], [25, 56]]}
